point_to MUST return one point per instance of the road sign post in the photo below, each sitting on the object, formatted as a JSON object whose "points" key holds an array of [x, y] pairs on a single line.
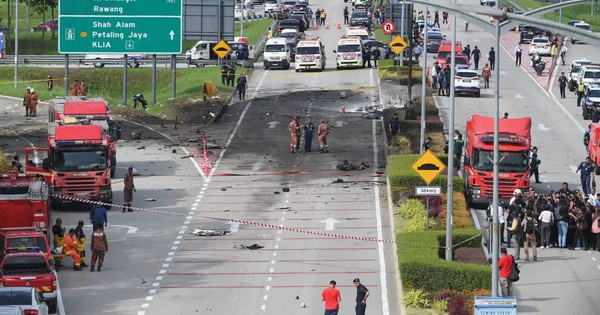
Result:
{"points": [[120, 27]]}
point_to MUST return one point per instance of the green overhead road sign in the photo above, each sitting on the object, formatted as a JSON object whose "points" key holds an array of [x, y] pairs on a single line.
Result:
{"points": [[120, 26]]}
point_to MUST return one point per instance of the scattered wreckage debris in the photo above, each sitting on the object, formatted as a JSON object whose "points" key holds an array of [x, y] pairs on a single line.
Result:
{"points": [[347, 166], [250, 247], [201, 232]]}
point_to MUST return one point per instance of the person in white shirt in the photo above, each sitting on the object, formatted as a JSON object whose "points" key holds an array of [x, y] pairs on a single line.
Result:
{"points": [[547, 219], [563, 52], [518, 53], [592, 197]]}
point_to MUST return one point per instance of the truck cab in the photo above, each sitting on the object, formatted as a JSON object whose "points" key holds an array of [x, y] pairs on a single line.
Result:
{"points": [[29, 267], [83, 111], [76, 163], [12, 239], [24, 202], [514, 145]]}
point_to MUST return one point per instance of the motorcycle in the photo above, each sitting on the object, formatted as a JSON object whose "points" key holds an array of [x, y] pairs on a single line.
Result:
{"points": [[538, 65]]}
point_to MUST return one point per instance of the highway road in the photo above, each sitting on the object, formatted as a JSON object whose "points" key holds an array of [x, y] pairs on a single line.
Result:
{"points": [[559, 275], [156, 265]]}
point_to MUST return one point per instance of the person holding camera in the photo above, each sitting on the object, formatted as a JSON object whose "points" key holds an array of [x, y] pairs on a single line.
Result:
{"points": [[587, 169], [529, 225]]}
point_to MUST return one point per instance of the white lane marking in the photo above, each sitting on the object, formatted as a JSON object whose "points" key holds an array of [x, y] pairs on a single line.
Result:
{"points": [[159, 278], [268, 288], [594, 258], [598, 266], [163, 271], [542, 127], [330, 223], [263, 307], [149, 298], [156, 284], [145, 305], [382, 268], [60, 306], [165, 265], [265, 297], [141, 313], [152, 291]]}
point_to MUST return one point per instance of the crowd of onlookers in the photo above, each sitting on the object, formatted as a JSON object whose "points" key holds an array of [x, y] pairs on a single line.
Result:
{"points": [[564, 218]]}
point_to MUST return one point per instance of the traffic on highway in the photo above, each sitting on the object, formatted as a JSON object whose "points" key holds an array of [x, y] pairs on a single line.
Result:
{"points": [[288, 199]]}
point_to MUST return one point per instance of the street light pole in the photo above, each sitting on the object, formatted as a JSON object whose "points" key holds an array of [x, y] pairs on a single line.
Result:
{"points": [[16, 44], [495, 196], [450, 190], [424, 86]]}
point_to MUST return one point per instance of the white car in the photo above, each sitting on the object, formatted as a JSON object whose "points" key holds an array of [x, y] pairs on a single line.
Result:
{"points": [[272, 6], [541, 46], [467, 81], [574, 72], [29, 299], [247, 11]]}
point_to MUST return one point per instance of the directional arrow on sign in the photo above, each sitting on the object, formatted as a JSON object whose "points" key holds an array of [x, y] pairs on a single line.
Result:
{"points": [[234, 226], [273, 124], [330, 223], [542, 127], [172, 34]]}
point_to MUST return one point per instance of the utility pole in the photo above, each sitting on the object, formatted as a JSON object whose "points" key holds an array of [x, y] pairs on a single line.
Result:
{"points": [[16, 44], [495, 195], [424, 87], [450, 190]]}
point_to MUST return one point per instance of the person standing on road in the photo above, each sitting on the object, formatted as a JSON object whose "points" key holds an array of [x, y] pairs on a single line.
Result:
{"points": [[505, 265], [433, 74], [367, 58], [562, 84], [128, 190], [563, 52], [580, 91], [436, 19], [376, 54], [447, 80], [579, 241], [27, 101], [518, 53], [513, 226], [33, 101], [323, 17], [224, 71], [294, 129], [440, 82], [74, 88], [50, 83], [547, 219], [587, 174], [323, 131], [80, 242], [467, 51], [70, 249], [596, 227], [332, 298], [394, 126], [486, 73], [534, 166], [586, 138], [99, 248], [445, 17], [318, 16], [458, 148], [59, 235], [98, 216], [241, 86], [476, 54], [83, 88], [529, 226], [417, 51], [346, 13], [362, 294], [309, 129], [492, 58], [561, 217], [553, 51]]}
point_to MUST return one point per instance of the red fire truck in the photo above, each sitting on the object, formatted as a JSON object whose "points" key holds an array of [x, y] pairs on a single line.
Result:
{"points": [[76, 163], [514, 146], [88, 111], [23, 202]]}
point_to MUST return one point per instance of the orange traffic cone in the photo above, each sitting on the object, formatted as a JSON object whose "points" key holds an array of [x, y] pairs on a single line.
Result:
{"points": [[343, 109], [327, 25], [339, 26], [517, 29], [316, 26]]}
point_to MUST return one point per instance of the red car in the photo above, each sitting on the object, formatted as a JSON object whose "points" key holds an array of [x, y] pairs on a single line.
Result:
{"points": [[47, 25], [460, 60]]}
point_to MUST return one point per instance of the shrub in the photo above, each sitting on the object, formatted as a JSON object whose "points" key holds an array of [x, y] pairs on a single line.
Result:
{"points": [[416, 298], [440, 306], [417, 224], [404, 178], [457, 305], [4, 162], [461, 217], [403, 144], [412, 208], [435, 205]]}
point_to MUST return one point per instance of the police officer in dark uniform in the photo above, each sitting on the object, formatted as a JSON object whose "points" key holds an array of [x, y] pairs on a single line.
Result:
{"points": [[367, 57], [587, 173], [231, 74], [224, 71]]}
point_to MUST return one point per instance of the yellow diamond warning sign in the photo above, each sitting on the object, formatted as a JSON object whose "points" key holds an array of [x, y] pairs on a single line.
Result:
{"points": [[221, 49], [428, 166], [398, 44]]}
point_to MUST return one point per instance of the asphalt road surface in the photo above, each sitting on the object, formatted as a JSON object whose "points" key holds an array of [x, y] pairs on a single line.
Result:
{"points": [[156, 265], [559, 275]]}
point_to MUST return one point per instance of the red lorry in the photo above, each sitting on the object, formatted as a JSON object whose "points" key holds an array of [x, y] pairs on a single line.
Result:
{"points": [[76, 163], [514, 146], [23, 202], [88, 111]]}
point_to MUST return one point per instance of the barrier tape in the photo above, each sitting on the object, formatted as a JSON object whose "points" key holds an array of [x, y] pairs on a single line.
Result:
{"points": [[270, 226]]}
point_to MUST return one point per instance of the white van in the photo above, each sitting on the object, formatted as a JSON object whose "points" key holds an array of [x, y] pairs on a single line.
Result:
{"points": [[202, 50], [357, 31], [277, 53], [349, 53], [310, 54]]}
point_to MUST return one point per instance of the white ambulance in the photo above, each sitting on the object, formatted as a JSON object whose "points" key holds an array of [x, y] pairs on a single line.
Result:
{"points": [[277, 53], [310, 55], [358, 31], [349, 53]]}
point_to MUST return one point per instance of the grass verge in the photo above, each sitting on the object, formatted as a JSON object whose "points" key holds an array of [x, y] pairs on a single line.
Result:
{"points": [[576, 12], [253, 30]]}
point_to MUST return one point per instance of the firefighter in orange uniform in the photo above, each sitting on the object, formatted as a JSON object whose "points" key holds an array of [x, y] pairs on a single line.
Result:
{"points": [[74, 89], [70, 249], [294, 129], [27, 101], [83, 89], [323, 131], [33, 101]]}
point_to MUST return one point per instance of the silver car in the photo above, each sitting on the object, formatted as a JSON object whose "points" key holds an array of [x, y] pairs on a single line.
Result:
{"points": [[25, 297]]}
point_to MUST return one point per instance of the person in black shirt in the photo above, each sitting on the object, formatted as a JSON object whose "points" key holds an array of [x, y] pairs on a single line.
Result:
{"points": [[427, 144], [476, 53], [492, 58], [309, 129], [394, 126], [534, 166], [59, 235], [562, 81], [362, 293]]}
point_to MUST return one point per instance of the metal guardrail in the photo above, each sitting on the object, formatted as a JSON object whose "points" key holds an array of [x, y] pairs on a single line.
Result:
{"points": [[81, 60]]}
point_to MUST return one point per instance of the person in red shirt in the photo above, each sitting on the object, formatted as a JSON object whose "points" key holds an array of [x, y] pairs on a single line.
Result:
{"points": [[505, 265], [332, 298]]}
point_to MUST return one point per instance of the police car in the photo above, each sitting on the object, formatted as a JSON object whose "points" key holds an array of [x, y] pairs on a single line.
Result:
{"points": [[591, 103], [467, 81], [574, 72], [540, 45]]}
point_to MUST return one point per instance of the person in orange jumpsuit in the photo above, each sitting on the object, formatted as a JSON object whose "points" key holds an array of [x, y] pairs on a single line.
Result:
{"points": [[128, 190], [83, 89], [33, 101], [70, 249], [323, 131], [294, 129], [74, 89]]}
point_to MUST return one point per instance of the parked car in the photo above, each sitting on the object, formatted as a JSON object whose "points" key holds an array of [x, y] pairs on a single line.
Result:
{"points": [[289, 24], [360, 18], [540, 45], [573, 75], [289, 4], [528, 32], [582, 26], [305, 15], [272, 6], [47, 25], [300, 19], [467, 81], [434, 39], [27, 297]]}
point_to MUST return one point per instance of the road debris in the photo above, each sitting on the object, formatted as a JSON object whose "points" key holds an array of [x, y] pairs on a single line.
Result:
{"points": [[285, 189], [200, 232], [250, 247], [346, 166], [141, 148], [149, 199], [339, 180], [135, 135]]}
